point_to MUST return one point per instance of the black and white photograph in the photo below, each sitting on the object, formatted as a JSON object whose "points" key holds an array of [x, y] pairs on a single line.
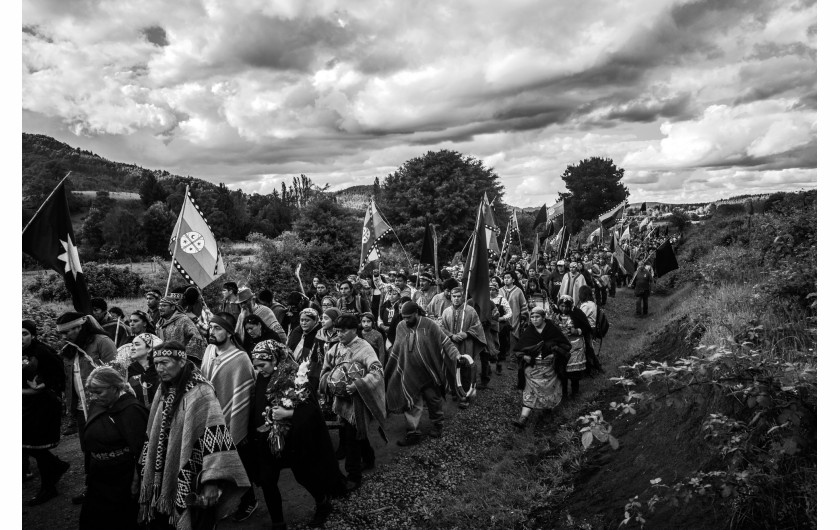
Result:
{"points": [[260, 238]]}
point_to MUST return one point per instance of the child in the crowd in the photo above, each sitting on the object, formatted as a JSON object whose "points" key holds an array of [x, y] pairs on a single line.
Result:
{"points": [[374, 336]]}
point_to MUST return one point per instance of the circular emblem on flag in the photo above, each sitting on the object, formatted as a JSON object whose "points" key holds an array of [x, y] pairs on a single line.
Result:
{"points": [[192, 242], [365, 235]]}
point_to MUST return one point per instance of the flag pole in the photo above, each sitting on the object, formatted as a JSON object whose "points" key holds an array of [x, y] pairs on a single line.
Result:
{"points": [[177, 233], [60, 182]]}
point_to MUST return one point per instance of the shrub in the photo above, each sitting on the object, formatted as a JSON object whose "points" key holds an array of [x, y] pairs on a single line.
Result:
{"points": [[106, 281]]}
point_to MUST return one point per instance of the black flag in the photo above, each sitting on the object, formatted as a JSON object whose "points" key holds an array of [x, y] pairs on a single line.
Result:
{"points": [[542, 217], [49, 239], [665, 260], [428, 255], [644, 207]]}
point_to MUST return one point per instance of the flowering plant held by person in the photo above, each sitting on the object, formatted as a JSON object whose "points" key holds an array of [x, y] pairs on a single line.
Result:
{"points": [[282, 391]]}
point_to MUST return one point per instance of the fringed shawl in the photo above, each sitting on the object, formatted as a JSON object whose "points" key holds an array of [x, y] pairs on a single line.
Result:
{"points": [[369, 404], [232, 376], [421, 356], [199, 449]]}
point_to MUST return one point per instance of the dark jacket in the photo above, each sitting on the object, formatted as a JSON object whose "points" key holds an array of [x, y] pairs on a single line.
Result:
{"points": [[142, 379], [643, 281]]}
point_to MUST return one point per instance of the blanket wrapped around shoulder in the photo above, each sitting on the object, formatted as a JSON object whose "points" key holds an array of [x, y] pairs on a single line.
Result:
{"points": [[188, 445], [421, 356], [550, 342]]}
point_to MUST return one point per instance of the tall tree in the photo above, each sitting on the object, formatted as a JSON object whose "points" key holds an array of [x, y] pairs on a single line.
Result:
{"points": [[158, 222], [593, 188], [440, 187]]}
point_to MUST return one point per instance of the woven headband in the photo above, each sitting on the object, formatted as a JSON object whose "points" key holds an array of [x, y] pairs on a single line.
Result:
{"points": [[175, 354], [308, 311], [70, 325]]}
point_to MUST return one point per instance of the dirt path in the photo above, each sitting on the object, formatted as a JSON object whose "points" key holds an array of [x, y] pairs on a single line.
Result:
{"points": [[408, 485]]}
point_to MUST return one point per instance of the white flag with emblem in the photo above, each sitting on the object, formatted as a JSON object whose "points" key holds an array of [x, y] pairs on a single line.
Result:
{"points": [[193, 246]]}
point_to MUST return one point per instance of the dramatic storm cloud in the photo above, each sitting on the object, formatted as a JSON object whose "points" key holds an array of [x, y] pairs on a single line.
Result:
{"points": [[697, 100]]}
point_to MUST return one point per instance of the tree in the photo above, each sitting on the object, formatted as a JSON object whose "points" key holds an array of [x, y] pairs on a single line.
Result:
{"points": [[444, 188], [333, 235], [376, 188], [593, 188], [158, 222], [150, 189], [123, 233]]}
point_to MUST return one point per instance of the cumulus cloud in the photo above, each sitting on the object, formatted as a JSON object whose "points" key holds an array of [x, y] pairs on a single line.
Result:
{"points": [[683, 94]]}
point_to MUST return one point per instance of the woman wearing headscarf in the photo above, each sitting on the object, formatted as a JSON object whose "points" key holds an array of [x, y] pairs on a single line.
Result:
{"points": [[43, 382], [141, 374], [302, 338], [576, 326], [257, 331], [305, 446], [542, 352], [114, 435]]}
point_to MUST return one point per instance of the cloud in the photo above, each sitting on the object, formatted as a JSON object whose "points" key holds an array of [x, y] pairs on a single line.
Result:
{"points": [[253, 92]]}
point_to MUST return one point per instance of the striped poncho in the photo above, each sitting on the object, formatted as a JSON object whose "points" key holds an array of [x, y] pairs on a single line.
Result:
{"points": [[188, 445], [232, 375], [421, 356]]}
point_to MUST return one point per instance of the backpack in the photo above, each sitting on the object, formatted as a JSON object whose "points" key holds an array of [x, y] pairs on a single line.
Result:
{"points": [[602, 325]]}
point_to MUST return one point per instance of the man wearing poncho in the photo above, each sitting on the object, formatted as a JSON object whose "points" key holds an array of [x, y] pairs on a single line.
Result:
{"points": [[191, 474], [358, 397], [229, 370], [461, 324], [421, 368]]}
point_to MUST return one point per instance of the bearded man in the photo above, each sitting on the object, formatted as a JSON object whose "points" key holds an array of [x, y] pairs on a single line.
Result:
{"points": [[191, 475], [421, 368], [461, 324], [228, 368], [441, 300], [423, 296], [175, 326]]}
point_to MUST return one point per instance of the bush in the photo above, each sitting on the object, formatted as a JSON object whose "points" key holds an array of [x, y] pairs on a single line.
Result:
{"points": [[106, 281]]}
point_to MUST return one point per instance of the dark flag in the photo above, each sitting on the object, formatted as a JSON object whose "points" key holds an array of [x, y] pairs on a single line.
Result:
{"points": [[535, 258], [666, 229], [428, 255], [665, 260], [542, 217], [625, 262], [609, 219], [49, 239], [478, 279], [644, 207]]}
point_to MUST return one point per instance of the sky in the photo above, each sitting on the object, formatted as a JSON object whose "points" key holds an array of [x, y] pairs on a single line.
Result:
{"points": [[695, 100]]}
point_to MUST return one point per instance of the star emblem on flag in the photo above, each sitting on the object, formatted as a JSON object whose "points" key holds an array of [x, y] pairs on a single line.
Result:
{"points": [[70, 257]]}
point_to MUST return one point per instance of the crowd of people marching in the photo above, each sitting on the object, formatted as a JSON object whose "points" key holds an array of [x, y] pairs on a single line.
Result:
{"points": [[182, 411]]}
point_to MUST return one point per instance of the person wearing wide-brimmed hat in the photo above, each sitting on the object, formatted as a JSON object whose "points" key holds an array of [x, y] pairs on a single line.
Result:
{"points": [[175, 325], [248, 304]]}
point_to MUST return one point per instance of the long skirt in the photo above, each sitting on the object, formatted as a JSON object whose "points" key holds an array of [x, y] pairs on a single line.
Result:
{"points": [[577, 361], [542, 387]]}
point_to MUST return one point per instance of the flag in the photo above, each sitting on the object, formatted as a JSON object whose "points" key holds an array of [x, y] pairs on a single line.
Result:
{"points": [[428, 255], [667, 228], [557, 240], [609, 219], [541, 217], [644, 223], [513, 223], [492, 230], [624, 261], [665, 260], [478, 279], [595, 233], [643, 207], [193, 247], [373, 229], [500, 266], [49, 239], [557, 210], [532, 263], [625, 234]]}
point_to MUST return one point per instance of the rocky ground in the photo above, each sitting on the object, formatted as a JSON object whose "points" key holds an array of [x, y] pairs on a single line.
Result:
{"points": [[481, 473]]}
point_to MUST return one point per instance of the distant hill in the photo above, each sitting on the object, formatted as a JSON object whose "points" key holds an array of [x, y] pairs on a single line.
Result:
{"points": [[354, 197]]}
